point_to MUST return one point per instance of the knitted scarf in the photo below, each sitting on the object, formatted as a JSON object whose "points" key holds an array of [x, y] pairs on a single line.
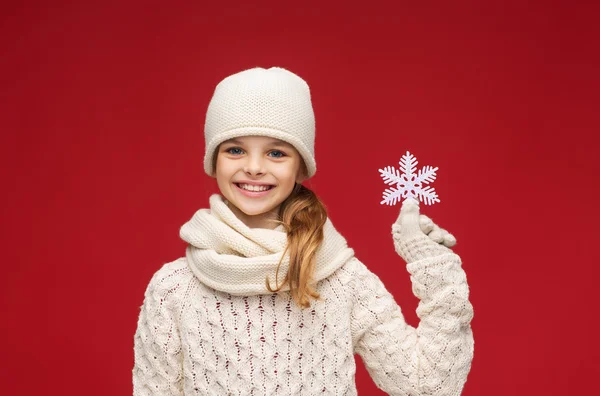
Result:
{"points": [[226, 255]]}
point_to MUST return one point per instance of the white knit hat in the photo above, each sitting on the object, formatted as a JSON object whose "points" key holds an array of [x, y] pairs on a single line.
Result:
{"points": [[261, 102]]}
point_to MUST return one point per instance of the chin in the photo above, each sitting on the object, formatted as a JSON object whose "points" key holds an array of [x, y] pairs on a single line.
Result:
{"points": [[250, 209], [254, 211]]}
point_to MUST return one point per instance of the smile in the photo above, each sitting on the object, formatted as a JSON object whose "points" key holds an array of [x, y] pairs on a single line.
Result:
{"points": [[249, 187]]}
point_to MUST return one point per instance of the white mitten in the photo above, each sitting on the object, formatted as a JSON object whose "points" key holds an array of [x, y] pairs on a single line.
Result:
{"points": [[436, 233], [416, 236]]}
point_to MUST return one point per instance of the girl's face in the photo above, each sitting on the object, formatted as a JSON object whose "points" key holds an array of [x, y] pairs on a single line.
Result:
{"points": [[256, 174]]}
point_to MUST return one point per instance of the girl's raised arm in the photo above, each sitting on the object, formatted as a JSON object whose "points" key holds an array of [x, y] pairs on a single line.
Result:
{"points": [[434, 358], [158, 368]]}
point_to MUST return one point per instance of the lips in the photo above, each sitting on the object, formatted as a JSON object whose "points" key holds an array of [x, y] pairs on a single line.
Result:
{"points": [[254, 187]]}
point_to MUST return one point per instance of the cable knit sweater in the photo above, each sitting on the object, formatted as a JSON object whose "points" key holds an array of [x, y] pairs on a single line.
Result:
{"points": [[208, 325]]}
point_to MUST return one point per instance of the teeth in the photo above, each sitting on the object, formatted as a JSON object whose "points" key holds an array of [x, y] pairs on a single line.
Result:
{"points": [[250, 187]]}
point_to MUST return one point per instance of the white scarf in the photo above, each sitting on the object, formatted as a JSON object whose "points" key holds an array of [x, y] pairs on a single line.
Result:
{"points": [[228, 256]]}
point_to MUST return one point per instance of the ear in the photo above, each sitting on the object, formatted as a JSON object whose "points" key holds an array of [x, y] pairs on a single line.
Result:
{"points": [[301, 175], [215, 157]]}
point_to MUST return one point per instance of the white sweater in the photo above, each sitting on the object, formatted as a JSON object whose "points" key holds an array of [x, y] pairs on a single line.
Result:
{"points": [[208, 325]]}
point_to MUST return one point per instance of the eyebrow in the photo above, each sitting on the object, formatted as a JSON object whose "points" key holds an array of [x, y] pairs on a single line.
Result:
{"points": [[272, 143]]}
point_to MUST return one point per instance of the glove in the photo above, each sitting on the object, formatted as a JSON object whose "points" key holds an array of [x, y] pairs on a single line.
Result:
{"points": [[416, 236]]}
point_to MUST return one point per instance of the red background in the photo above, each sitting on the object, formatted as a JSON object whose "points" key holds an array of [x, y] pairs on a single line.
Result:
{"points": [[102, 117]]}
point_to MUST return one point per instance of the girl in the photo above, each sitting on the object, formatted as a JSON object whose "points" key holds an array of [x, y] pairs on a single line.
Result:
{"points": [[269, 299]]}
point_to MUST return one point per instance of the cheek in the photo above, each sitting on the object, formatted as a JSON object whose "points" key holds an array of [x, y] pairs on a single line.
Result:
{"points": [[222, 176], [223, 167], [286, 174]]}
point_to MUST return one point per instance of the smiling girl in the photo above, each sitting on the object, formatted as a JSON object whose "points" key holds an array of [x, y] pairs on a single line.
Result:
{"points": [[269, 299], [256, 174]]}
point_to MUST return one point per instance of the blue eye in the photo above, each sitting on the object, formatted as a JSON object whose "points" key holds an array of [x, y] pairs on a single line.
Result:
{"points": [[234, 150], [278, 154]]}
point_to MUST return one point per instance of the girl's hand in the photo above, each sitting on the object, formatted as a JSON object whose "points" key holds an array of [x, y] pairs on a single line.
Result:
{"points": [[410, 223], [436, 233]]}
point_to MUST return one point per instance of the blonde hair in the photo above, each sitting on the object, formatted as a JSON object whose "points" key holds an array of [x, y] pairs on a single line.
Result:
{"points": [[303, 216]]}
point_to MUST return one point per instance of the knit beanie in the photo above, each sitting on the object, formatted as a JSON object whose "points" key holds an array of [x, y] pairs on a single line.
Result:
{"points": [[261, 102]]}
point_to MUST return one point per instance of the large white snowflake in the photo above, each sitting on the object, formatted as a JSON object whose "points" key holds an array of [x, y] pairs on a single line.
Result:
{"points": [[409, 184]]}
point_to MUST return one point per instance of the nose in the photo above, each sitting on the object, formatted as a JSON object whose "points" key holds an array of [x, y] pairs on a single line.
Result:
{"points": [[254, 165]]}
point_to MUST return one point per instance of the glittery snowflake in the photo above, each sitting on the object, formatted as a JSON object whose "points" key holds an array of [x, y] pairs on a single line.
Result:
{"points": [[409, 184]]}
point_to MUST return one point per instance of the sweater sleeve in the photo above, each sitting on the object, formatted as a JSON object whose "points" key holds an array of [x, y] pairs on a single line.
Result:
{"points": [[158, 366], [435, 357]]}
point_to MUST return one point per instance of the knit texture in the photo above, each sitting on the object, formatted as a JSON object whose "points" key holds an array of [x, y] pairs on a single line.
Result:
{"points": [[194, 339], [226, 255], [270, 102]]}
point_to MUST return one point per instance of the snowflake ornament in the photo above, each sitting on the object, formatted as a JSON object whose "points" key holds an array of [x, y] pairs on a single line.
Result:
{"points": [[409, 184]]}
